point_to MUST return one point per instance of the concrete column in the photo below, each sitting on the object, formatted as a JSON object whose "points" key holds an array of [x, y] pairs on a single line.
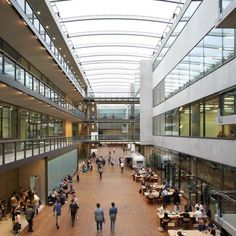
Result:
{"points": [[146, 102]]}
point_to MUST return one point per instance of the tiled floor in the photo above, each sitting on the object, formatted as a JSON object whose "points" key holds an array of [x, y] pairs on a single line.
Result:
{"points": [[135, 216]]}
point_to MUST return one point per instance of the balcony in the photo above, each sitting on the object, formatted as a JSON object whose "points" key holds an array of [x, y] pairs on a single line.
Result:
{"points": [[16, 77], [16, 150], [109, 138]]}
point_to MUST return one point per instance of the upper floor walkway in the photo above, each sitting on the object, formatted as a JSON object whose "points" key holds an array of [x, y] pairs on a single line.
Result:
{"points": [[20, 150]]}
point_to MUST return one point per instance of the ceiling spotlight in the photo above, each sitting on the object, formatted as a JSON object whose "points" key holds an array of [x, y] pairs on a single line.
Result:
{"points": [[38, 12], [53, 38], [47, 27], [24, 22]]}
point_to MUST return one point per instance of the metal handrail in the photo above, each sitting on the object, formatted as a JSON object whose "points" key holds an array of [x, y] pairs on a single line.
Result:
{"points": [[18, 149], [224, 196]]}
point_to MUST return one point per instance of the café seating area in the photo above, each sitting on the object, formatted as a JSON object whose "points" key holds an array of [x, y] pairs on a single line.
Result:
{"points": [[171, 215]]}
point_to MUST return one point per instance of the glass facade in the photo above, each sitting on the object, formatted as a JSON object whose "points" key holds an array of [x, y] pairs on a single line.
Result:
{"points": [[228, 103], [224, 4], [26, 8], [179, 27], [215, 49], [196, 177], [14, 71], [197, 119], [31, 124]]}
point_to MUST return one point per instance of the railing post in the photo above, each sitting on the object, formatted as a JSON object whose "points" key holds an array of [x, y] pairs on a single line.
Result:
{"points": [[39, 145], [44, 145], [3, 153], [24, 149], [50, 144], [32, 143], [15, 145]]}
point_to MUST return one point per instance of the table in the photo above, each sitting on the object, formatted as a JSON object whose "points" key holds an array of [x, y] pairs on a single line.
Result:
{"points": [[174, 216], [189, 233]]}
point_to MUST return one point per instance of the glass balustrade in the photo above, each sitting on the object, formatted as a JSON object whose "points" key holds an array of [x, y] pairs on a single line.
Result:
{"points": [[224, 4], [15, 150], [29, 13], [14, 71], [213, 51]]}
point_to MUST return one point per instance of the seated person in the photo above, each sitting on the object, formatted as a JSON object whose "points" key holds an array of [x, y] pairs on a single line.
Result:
{"points": [[186, 219], [201, 225], [166, 197], [198, 214], [177, 208], [185, 215], [199, 205], [188, 207], [165, 221], [161, 209], [213, 232], [179, 233], [176, 197]]}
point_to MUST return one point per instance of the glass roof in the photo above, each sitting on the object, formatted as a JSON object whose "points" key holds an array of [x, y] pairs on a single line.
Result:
{"points": [[111, 37]]}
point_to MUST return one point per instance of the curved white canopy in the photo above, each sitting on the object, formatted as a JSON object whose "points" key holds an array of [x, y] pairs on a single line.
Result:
{"points": [[111, 37]]}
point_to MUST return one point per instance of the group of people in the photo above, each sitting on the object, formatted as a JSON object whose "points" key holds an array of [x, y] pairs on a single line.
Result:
{"points": [[73, 209], [203, 221], [65, 188], [100, 218], [25, 202]]}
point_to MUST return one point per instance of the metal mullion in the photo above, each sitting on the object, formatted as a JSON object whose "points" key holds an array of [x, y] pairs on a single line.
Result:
{"points": [[204, 118]]}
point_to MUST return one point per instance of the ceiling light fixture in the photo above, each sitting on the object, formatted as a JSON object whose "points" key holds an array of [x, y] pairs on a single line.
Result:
{"points": [[38, 12], [24, 22]]}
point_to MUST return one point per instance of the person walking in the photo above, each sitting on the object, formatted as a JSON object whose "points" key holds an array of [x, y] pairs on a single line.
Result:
{"points": [[99, 217], [73, 207], [29, 214], [122, 164], [100, 170], [112, 214], [57, 211], [78, 173]]}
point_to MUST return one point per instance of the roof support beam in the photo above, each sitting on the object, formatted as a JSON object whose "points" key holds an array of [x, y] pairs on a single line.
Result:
{"points": [[96, 45], [111, 32], [115, 17], [170, 1]]}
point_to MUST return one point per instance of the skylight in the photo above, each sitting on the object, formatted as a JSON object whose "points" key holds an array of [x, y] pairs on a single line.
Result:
{"points": [[111, 37]]}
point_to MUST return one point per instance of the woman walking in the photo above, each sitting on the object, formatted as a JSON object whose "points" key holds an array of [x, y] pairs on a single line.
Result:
{"points": [[57, 211]]}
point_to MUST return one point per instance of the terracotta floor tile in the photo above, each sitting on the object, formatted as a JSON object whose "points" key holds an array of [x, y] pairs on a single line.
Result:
{"points": [[135, 216]]}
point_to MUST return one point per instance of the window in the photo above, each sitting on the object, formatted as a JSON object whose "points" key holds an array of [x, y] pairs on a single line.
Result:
{"points": [[184, 121], [9, 68], [20, 75], [28, 80]]}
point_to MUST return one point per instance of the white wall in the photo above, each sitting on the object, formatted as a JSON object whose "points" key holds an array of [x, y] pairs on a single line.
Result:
{"points": [[221, 151], [146, 102]]}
